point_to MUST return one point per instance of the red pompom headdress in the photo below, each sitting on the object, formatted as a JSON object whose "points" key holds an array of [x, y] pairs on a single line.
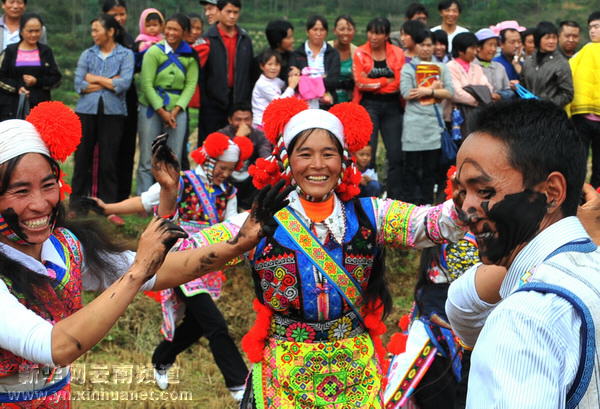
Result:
{"points": [[285, 118], [218, 146]]}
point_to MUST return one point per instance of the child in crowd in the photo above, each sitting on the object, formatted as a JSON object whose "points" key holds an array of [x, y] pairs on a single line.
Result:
{"points": [[269, 86], [195, 34], [152, 24], [369, 185]]}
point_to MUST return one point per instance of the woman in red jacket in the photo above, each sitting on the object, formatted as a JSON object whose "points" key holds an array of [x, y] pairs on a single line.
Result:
{"points": [[377, 65]]}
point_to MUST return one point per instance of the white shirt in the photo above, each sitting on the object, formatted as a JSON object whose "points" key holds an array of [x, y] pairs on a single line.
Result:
{"points": [[458, 30], [266, 90], [527, 354], [25, 333], [151, 197]]}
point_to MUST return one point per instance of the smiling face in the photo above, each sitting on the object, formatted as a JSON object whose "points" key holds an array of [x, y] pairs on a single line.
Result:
{"points": [[222, 171], [487, 50], [344, 31], [14, 9], [271, 68], [439, 50], [316, 163], [548, 43], [212, 13], [30, 200], [174, 33], [501, 213], [450, 15]]}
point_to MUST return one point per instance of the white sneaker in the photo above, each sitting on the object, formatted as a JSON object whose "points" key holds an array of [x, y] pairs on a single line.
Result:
{"points": [[161, 377], [237, 395]]}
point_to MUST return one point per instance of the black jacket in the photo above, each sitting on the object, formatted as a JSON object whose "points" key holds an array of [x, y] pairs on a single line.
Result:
{"points": [[213, 77], [11, 77], [332, 66]]}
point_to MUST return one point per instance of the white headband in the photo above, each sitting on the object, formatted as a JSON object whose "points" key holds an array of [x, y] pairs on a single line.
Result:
{"points": [[231, 154], [313, 118], [18, 137]]}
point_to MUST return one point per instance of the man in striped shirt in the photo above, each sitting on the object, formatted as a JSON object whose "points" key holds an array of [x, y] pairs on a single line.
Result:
{"points": [[519, 176]]}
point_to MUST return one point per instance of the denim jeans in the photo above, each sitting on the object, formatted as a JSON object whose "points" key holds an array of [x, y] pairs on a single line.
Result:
{"points": [[150, 128], [387, 118]]}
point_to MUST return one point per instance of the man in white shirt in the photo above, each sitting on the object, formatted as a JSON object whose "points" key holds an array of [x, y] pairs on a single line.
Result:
{"points": [[520, 175]]}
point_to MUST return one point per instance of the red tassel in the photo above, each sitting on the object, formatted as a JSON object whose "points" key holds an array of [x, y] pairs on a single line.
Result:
{"points": [[253, 343], [397, 344], [449, 186], [404, 322], [155, 295]]}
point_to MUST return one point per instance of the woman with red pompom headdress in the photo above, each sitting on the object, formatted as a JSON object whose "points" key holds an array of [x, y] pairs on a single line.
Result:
{"points": [[195, 199], [318, 269], [46, 261]]}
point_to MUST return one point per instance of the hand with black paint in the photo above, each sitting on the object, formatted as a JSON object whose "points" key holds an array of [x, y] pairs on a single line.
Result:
{"points": [[260, 222], [154, 244], [165, 167], [92, 204], [589, 212]]}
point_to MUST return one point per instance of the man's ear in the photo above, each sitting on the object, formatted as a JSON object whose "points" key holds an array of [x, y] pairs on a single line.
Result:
{"points": [[556, 191]]}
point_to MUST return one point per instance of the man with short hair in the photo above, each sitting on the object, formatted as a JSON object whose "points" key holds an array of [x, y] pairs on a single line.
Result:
{"points": [[510, 45], [585, 107], [211, 11], [519, 177], [417, 11], [240, 124], [569, 34], [225, 77]]}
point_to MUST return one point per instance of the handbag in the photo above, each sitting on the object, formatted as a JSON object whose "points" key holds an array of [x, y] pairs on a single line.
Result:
{"points": [[311, 84], [22, 107], [449, 148]]}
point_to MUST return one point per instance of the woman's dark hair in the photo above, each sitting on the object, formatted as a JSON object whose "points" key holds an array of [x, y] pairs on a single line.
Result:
{"points": [[542, 29], [446, 4], [181, 19], [25, 18], [594, 16], [462, 41], [153, 17], [415, 8], [108, 5], [529, 32], [266, 55], [346, 17], [540, 139], [96, 243], [422, 35], [312, 21], [276, 31], [413, 28], [195, 16], [107, 21], [379, 25], [440, 36]]}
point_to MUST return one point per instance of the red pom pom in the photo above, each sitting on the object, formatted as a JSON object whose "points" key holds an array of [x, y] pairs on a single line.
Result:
{"points": [[253, 343], [246, 147], [278, 114], [357, 124], [155, 295], [58, 126], [349, 186], [397, 344], [404, 322], [198, 155], [449, 188], [215, 144], [266, 172]]}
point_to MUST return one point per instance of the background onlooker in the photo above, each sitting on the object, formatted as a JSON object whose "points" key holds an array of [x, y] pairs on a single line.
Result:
{"points": [[377, 66], [344, 30], [211, 11], [585, 108], [569, 34], [417, 11], [151, 24], [321, 58], [9, 23], [546, 73], [369, 183], [280, 36], [410, 30], [27, 67], [440, 46], [104, 73], [167, 86], [528, 42], [118, 9], [225, 79], [493, 70], [450, 12], [510, 52]]}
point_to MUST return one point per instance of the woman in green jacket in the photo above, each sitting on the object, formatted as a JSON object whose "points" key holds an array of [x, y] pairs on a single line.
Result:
{"points": [[168, 81]]}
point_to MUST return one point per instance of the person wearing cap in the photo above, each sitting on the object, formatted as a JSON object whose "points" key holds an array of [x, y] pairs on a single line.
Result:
{"points": [[318, 274], [493, 70], [510, 46], [46, 262], [211, 11], [546, 73], [450, 12]]}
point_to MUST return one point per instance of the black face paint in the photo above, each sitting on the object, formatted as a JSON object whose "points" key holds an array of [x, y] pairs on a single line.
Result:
{"points": [[517, 218]]}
